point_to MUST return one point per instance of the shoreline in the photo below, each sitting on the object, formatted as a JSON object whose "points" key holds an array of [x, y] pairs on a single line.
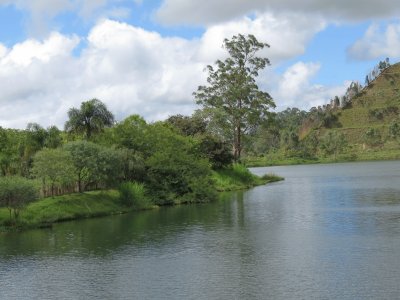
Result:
{"points": [[261, 162], [45, 212]]}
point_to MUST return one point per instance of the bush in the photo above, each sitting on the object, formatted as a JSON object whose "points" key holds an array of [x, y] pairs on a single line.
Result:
{"points": [[372, 137], [394, 130], [218, 152], [175, 176], [242, 173], [16, 192], [271, 177], [133, 194]]}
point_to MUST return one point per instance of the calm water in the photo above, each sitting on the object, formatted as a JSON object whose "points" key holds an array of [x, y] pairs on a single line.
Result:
{"points": [[326, 232]]}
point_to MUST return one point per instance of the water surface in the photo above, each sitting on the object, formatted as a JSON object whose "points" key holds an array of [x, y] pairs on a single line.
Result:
{"points": [[326, 232]]}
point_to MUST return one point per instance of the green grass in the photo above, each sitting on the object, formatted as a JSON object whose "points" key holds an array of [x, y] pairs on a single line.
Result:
{"points": [[390, 151], [238, 177], [277, 160], [68, 207], [133, 194], [46, 211]]}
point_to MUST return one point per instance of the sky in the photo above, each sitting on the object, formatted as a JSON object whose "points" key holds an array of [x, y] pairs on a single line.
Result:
{"points": [[147, 57]]}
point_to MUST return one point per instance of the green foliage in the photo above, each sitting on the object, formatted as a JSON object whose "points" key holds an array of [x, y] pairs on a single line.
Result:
{"points": [[16, 192], [131, 134], [188, 126], [218, 152], [372, 137], [238, 177], [291, 118], [133, 194], [333, 142], [91, 118], [290, 141], [394, 130], [95, 166], [271, 177], [330, 120], [176, 172], [55, 169], [309, 145], [69, 207], [378, 114], [53, 139], [9, 152], [176, 176], [233, 98]]}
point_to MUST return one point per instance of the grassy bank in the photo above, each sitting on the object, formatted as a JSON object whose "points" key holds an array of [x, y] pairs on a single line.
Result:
{"points": [[239, 178], [46, 211], [350, 155]]}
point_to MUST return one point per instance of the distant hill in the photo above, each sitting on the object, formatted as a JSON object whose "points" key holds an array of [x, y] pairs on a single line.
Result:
{"points": [[369, 120]]}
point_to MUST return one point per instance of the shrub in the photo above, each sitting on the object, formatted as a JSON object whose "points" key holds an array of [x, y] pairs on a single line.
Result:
{"points": [[176, 176], [16, 192], [133, 194], [271, 177], [372, 137], [394, 130], [218, 152]]}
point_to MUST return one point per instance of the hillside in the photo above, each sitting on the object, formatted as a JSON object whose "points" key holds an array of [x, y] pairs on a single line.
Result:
{"points": [[367, 124]]}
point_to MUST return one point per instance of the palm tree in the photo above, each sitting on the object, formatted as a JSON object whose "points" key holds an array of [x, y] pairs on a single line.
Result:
{"points": [[92, 117]]}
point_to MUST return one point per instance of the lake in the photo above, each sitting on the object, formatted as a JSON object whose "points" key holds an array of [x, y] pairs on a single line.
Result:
{"points": [[326, 232]]}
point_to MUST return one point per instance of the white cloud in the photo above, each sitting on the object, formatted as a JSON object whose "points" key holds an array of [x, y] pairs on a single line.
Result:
{"points": [[287, 35], [23, 54], [42, 12], [377, 42], [211, 11], [135, 71], [294, 88], [130, 69]]}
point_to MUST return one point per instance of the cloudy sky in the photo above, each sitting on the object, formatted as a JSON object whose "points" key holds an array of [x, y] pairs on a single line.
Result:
{"points": [[148, 56]]}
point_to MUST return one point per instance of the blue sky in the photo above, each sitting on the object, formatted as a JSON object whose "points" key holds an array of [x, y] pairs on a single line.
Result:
{"points": [[147, 57]]}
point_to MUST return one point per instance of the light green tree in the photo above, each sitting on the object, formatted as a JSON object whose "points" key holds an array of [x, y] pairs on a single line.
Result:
{"points": [[55, 169], [232, 96], [16, 192], [94, 165]]}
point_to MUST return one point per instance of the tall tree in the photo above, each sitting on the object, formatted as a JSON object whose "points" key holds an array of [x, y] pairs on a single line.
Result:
{"points": [[232, 89], [92, 117]]}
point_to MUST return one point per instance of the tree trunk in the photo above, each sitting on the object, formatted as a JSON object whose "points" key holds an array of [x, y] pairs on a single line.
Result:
{"points": [[79, 183], [237, 143]]}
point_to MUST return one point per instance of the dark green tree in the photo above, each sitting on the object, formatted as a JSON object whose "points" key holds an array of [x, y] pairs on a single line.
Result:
{"points": [[232, 90], [91, 118], [188, 126], [53, 138]]}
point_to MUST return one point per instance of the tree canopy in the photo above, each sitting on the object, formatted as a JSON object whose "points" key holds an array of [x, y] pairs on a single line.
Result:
{"points": [[232, 95], [92, 117]]}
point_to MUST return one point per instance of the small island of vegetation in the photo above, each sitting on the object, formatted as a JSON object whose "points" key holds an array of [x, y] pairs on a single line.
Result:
{"points": [[97, 166]]}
